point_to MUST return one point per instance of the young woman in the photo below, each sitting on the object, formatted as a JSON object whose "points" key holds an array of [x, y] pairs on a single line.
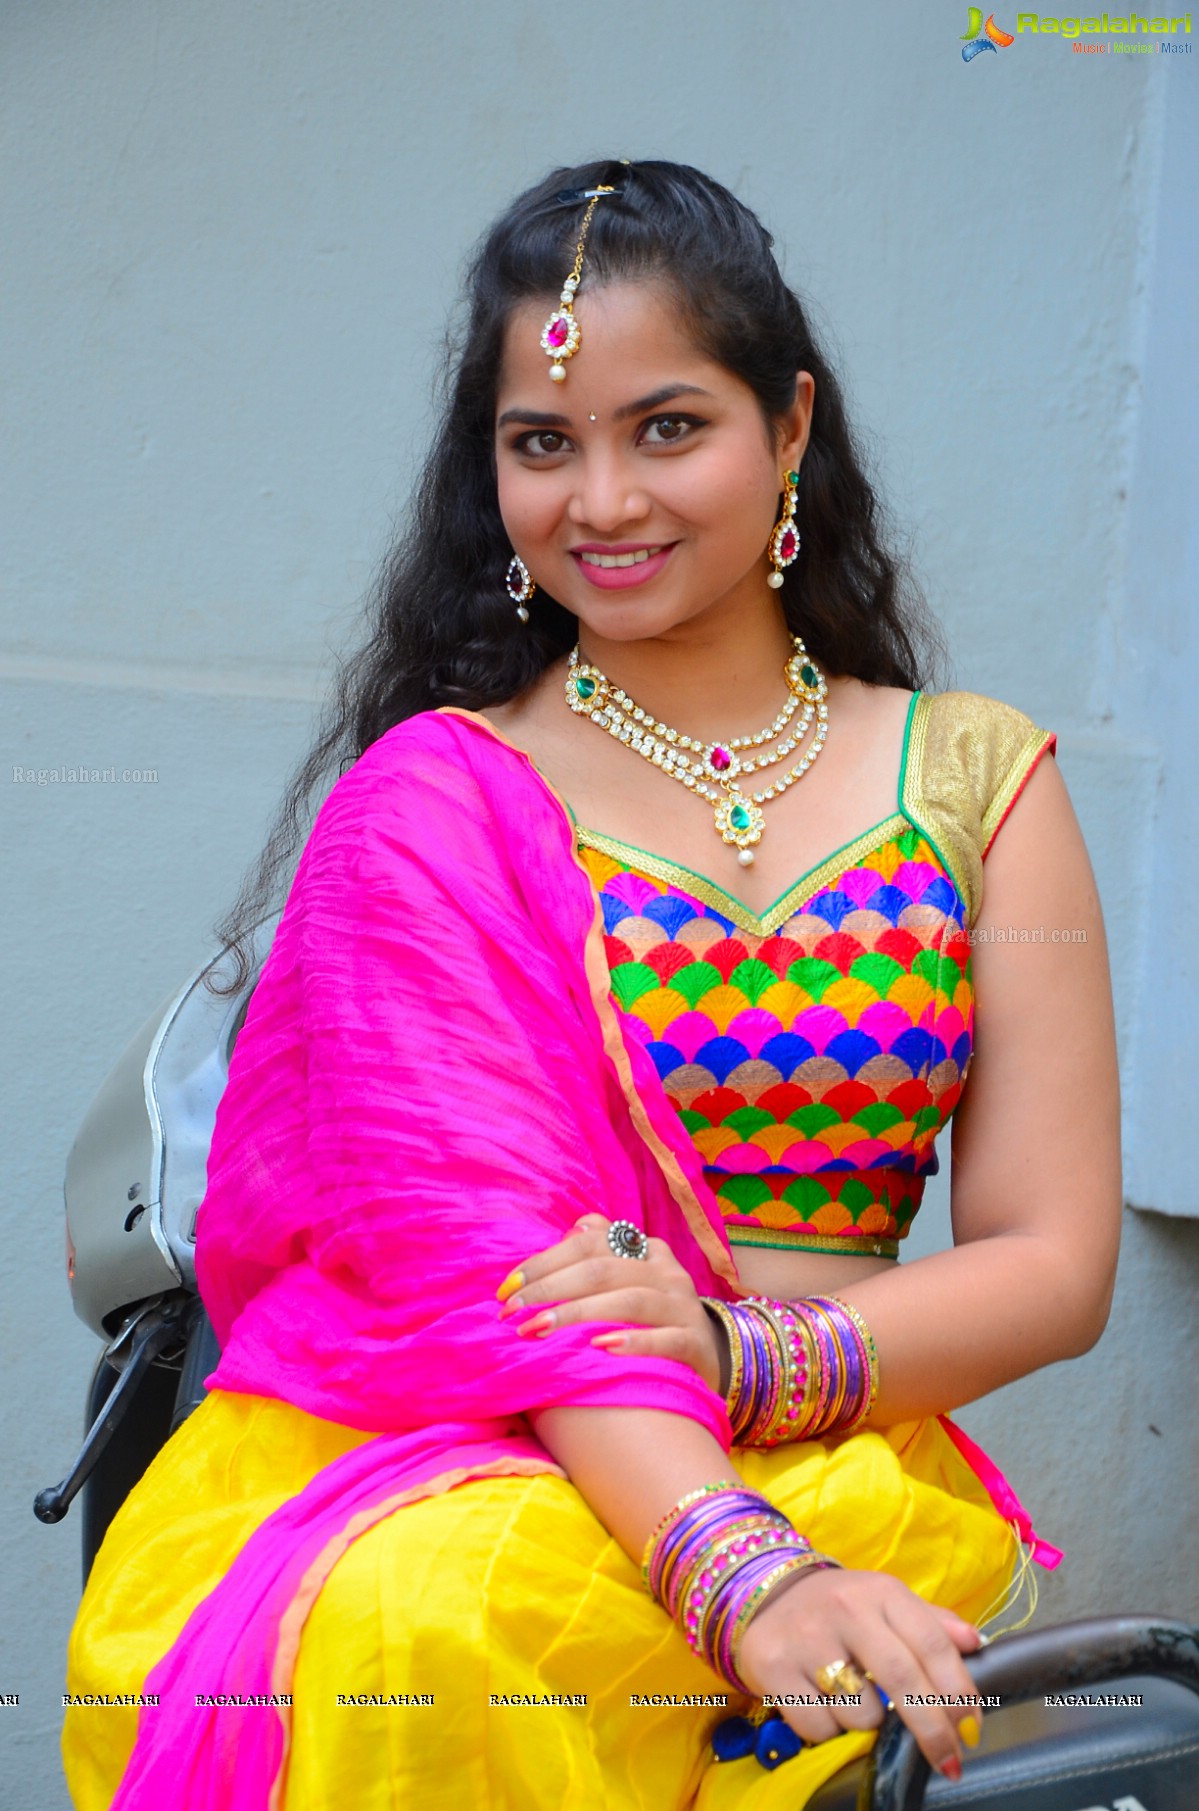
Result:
{"points": [[588, 959]]}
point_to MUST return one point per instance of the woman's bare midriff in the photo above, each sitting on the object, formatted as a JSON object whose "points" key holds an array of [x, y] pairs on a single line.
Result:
{"points": [[784, 1276]]}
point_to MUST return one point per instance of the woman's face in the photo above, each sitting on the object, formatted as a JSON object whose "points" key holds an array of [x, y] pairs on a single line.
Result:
{"points": [[649, 454]]}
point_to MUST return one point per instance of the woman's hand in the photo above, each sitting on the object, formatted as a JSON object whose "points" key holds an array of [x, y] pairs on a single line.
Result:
{"points": [[911, 1649], [586, 1281]]}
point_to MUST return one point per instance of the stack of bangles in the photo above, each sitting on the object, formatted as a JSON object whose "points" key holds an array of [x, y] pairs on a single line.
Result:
{"points": [[797, 1370], [713, 1562]]}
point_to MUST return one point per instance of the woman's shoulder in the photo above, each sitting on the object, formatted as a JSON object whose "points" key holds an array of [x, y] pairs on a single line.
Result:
{"points": [[969, 758], [422, 749], [426, 778], [963, 717], [977, 750]]}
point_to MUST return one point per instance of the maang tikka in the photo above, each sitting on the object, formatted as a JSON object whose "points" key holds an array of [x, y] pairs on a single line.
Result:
{"points": [[562, 336]]}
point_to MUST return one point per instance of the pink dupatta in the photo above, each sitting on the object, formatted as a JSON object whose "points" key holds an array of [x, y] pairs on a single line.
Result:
{"points": [[431, 1084]]}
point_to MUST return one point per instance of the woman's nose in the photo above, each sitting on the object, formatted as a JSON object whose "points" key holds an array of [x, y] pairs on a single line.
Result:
{"points": [[607, 496]]}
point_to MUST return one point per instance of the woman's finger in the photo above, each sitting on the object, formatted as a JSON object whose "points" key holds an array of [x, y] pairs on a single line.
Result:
{"points": [[654, 1342], [898, 1669], [588, 1237], [967, 1637], [938, 1652], [592, 1223], [632, 1306], [799, 1706], [580, 1274]]}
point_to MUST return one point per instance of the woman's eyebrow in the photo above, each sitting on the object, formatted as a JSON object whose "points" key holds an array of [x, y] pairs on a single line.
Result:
{"points": [[656, 398], [531, 418], [536, 418]]}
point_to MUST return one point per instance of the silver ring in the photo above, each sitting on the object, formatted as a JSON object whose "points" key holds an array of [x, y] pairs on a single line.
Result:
{"points": [[627, 1240]]}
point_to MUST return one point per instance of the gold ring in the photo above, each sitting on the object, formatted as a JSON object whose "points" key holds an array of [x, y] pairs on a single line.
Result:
{"points": [[839, 1678]]}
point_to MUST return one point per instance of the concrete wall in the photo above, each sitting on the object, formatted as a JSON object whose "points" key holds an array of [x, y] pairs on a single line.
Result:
{"points": [[231, 236]]}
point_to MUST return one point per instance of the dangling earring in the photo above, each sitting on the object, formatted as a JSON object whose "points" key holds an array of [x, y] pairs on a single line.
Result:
{"points": [[520, 586], [784, 542]]}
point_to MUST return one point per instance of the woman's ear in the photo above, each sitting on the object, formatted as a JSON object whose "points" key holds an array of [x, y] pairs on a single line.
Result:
{"points": [[796, 425]]}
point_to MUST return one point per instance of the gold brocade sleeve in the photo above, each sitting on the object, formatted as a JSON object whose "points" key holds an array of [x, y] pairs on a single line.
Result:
{"points": [[968, 758]]}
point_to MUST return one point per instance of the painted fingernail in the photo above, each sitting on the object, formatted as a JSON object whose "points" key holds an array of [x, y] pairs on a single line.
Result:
{"points": [[952, 1768], [970, 1731], [512, 1306], [511, 1283], [613, 1341], [538, 1323]]}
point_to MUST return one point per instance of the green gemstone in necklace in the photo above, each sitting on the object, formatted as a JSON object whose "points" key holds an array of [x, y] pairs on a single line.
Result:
{"points": [[585, 685]]}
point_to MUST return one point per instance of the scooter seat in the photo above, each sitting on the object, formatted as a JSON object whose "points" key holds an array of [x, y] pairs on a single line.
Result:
{"points": [[1090, 1716], [1034, 1757]]}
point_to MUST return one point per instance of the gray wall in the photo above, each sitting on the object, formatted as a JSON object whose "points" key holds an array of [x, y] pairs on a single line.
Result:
{"points": [[231, 236]]}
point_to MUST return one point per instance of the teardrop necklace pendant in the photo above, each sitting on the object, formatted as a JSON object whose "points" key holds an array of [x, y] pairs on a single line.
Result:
{"points": [[739, 821]]}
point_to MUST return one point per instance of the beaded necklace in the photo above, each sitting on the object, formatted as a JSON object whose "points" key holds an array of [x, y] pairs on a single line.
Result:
{"points": [[712, 769]]}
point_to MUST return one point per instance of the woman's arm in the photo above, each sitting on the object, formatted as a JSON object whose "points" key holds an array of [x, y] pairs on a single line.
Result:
{"points": [[1036, 1181]]}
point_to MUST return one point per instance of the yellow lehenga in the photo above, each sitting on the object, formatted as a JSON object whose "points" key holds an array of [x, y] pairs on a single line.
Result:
{"points": [[508, 1586]]}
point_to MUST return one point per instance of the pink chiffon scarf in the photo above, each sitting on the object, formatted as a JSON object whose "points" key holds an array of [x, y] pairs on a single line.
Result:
{"points": [[431, 1084]]}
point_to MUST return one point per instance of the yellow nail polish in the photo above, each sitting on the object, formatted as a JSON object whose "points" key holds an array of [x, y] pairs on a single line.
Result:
{"points": [[511, 1283], [970, 1731]]}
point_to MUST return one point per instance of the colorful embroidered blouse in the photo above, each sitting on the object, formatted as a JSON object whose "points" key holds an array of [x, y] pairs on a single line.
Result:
{"points": [[815, 1053]]}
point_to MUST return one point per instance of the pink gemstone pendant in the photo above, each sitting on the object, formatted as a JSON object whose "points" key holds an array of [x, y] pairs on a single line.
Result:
{"points": [[784, 544], [560, 339], [721, 762]]}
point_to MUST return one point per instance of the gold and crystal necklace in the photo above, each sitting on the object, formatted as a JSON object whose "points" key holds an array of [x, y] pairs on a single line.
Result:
{"points": [[696, 765]]}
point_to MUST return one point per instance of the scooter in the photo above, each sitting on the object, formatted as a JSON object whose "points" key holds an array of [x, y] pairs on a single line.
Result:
{"points": [[136, 1176]]}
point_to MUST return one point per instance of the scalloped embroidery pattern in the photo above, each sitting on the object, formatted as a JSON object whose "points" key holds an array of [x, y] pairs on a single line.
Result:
{"points": [[814, 1066]]}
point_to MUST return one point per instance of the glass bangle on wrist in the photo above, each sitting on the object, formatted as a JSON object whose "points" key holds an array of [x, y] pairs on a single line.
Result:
{"points": [[715, 1560], [797, 1370]]}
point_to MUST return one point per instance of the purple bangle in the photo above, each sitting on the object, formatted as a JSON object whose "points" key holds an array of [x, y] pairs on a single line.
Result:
{"points": [[698, 1521], [846, 1339], [714, 1575], [689, 1559]]}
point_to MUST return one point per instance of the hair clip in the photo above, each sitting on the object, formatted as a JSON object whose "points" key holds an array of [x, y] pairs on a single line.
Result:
{"points": [[569, 197]]}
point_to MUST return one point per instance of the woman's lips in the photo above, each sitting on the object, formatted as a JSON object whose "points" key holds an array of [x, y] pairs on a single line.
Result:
{"points": [[624, 566]]}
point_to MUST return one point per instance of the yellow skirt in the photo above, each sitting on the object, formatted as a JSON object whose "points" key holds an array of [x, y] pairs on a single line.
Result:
{"points": [[503, 1586]]}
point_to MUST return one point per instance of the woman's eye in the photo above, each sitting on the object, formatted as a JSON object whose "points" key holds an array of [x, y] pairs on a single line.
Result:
{"points": [[542, 443], [668, 430]]}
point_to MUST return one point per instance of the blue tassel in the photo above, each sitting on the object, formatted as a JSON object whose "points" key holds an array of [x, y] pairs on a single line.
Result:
{"points": [[733, 1739], [777, 1742]]}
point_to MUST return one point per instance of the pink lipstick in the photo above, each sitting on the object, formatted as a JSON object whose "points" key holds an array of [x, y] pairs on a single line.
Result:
{"points": [[617, 567]]}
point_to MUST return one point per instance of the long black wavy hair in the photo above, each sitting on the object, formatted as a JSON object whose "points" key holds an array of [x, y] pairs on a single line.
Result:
{"points": [[443, 629]]}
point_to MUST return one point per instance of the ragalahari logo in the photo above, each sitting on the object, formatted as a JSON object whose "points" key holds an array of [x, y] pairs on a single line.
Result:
{"points": [[995, 39]]}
